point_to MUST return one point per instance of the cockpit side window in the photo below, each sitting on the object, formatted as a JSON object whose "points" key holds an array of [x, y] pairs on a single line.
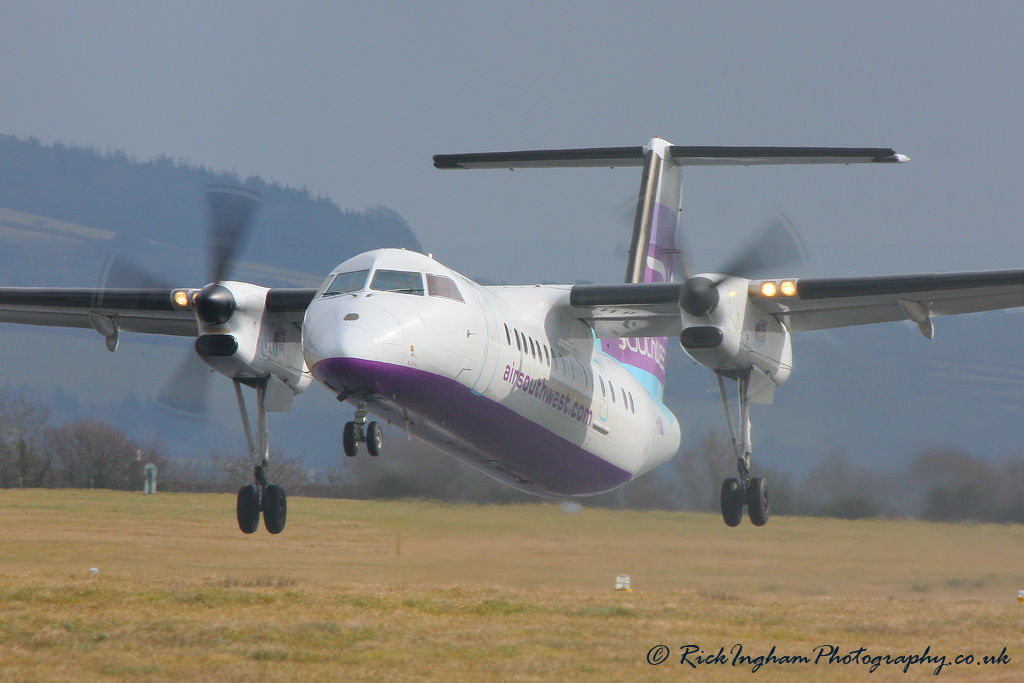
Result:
{"points": [[346, 283], [439, 285], [402, 281], [323, 287]]}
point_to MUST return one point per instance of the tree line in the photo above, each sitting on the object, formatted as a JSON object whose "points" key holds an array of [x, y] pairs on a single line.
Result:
{"points": [[937, 485]]}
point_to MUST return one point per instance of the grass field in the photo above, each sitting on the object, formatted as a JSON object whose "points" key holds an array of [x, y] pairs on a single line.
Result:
{"points": [[410, 591]]}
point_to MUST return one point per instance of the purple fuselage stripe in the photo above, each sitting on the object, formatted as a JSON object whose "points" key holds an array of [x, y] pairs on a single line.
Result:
{"points": [[551, 464]]}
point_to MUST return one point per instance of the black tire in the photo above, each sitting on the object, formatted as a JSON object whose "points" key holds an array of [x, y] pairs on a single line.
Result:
{"points": [[374, 439], [758, 501], [248, 509], [275, 509], [348, 439], [732, 501]]}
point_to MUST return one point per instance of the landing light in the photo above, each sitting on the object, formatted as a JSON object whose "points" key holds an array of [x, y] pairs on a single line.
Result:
{"points": [[788, 288], [769, 289], [180, 298]]}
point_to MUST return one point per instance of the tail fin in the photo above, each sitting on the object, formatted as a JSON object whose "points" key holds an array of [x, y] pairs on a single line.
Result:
{"points": [[653, 257]]}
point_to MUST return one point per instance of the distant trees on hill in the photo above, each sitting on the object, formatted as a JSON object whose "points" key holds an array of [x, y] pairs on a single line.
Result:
{"points": [[939, 485]]}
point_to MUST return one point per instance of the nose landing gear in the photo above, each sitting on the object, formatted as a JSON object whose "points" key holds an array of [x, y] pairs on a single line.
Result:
{"points": [[358, 431]]}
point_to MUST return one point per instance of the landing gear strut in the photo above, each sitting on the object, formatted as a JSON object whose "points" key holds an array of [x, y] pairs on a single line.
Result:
{"points": [[260, 497], [358, 431], [752, 492]]}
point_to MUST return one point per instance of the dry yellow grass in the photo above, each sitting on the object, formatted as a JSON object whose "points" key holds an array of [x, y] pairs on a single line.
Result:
{"points": [[409, 591]]}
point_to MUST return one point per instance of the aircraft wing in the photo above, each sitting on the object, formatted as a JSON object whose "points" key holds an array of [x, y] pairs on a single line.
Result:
{"points": [[150, 311], [629, 310], [652, 310], [822, 303]]}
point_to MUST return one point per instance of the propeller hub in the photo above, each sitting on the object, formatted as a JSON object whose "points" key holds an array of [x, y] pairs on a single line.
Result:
{"points": [[698, 296], [215, 304]]}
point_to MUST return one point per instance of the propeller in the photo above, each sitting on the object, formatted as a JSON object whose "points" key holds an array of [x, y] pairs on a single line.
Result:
{"points": [[186, 394], [777, 244], [230, 213]]}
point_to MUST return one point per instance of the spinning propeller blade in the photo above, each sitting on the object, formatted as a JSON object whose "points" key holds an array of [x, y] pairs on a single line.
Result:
{"points": [[186, 393], [121, 272], [230, 211], [778, 244]]}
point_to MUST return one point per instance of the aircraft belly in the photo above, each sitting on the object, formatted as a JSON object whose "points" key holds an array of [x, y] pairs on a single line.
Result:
{"points": [[479, 430]]}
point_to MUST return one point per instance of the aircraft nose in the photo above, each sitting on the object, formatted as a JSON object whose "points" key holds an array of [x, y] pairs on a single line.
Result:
{"points": [[354, 342], [325, 339]]}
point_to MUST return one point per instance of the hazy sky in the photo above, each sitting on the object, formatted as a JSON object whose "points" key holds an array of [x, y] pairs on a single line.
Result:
{"points": [[352, 99]]}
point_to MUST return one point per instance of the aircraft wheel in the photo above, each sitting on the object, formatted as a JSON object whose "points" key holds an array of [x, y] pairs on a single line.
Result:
{"points": [[275, 509], [348, 439], [374, 438], [732, 501], [248, 509], [757, 501]]}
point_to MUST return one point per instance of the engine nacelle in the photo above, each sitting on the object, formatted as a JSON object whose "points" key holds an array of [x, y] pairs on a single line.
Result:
{"points": [[241, 339], [734, 336]]}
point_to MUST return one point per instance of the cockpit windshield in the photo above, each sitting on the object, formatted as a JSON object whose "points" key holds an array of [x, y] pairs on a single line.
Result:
{"points": [[397, 281], [345, 283]]}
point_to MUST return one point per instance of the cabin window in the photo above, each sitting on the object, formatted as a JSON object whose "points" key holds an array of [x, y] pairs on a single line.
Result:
{"points": [[439, 285], [402, 281], [345, 283], [508, 337]]}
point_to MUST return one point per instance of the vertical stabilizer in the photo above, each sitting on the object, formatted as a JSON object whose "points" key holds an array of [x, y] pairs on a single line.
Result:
{"points": [[653, 257]]}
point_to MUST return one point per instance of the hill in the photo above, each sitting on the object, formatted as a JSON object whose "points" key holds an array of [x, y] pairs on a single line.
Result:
{"points": [[64, 209]]}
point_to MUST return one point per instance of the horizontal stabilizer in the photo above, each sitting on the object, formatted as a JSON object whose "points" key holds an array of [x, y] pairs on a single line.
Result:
{"points": [[610, 157], [545, 158]]}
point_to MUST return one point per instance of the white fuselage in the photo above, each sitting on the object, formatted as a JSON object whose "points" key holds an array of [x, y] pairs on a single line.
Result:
{"points": [[506, 379]]}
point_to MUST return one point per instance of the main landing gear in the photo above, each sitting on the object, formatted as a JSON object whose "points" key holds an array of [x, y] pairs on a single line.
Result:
{"points": [[358, 431], [260, 497], [746, 490]]}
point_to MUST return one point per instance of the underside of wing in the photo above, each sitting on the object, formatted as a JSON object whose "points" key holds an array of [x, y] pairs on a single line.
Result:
{"points": [[822, 303]]}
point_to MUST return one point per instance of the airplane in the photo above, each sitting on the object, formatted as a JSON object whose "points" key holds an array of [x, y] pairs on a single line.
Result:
{"points": [[555, 390]]}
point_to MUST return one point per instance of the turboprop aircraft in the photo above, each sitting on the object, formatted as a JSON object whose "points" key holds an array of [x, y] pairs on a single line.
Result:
{"points": [[555, 390]]}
